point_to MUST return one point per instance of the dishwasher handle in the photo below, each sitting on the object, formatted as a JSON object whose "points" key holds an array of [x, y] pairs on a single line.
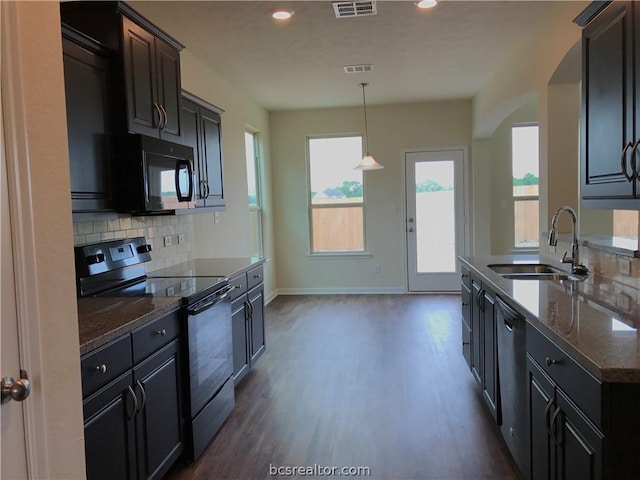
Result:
{"points": [[209, 302], [508, 312]]}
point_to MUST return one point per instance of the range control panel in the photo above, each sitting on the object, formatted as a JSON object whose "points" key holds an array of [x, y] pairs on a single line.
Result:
{"points": [[111, 255]]}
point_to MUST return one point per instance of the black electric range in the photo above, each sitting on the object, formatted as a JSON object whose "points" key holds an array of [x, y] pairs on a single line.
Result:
{"points": [[115, 268]]}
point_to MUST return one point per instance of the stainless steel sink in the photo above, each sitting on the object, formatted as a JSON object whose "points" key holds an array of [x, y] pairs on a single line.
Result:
{"points": [[532, 271]]}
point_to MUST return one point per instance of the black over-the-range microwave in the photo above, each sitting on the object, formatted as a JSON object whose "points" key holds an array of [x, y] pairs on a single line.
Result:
{"points": [[152, 176]]}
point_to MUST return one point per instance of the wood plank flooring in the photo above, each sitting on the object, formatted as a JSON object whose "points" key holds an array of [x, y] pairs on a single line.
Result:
{"points": [[374, 381]]}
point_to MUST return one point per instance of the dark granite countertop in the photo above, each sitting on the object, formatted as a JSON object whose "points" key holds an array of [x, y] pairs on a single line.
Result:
{"points": [[102, 319], [605, 343]]}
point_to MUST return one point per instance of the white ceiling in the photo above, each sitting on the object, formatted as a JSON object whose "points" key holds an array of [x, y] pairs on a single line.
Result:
{"points": [[446, 52]]}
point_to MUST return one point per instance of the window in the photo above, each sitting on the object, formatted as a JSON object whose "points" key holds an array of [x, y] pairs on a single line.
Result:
{"points": [[336, 194], [252, 151], [524, 155]]}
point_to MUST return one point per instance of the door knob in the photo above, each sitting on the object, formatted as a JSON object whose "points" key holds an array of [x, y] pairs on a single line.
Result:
{"points": [[17, 390]]}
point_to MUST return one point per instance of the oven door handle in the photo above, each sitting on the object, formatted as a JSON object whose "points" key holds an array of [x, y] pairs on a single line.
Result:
{"points": [[206, 306]]}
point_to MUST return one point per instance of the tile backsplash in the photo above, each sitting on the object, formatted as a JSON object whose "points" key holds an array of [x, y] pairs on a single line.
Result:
{"points": [[155, 229]]}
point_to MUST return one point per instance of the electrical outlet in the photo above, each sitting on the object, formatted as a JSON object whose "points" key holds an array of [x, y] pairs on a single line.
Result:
{"points": [[624, 265], [167, 241], [216, 217], [376, 268], [181, 238]]}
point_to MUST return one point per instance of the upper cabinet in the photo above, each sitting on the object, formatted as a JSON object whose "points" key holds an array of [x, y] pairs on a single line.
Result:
{"points": [[201, 131], [610, 125], [146, 66], [87, 95]]}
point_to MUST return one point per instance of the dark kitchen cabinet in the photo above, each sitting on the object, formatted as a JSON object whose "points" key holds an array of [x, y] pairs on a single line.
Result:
{"points": [[88, 98], [134, 423], [248, 321], [467, 305], [564, 443], [610, 123], [146, 66], [201, 125], [479, 343]]}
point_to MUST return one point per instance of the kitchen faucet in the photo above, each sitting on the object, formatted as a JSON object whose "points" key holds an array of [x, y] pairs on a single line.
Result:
{"points": [[576, 267]]}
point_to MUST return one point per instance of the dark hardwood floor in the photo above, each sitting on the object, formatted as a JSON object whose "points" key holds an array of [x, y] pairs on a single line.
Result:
{"points": [[375, 381]]}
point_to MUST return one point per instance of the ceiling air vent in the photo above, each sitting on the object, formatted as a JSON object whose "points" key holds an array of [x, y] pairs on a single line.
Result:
{"points": [[357, 68], [354, 9]]}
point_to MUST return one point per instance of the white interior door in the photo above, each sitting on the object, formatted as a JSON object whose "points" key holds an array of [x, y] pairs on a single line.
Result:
{"points": [[434, 219], [13, 457]]}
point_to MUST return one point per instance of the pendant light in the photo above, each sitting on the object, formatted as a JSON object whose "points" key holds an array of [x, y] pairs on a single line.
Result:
{"points": [[367, 162]]}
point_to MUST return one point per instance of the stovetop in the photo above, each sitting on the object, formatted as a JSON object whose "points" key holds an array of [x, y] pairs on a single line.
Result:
{"points": [[190, 289]]}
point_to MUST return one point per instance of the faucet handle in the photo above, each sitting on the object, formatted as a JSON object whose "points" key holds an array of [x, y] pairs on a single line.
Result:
{"points": [[580, 270], [567, 260]]}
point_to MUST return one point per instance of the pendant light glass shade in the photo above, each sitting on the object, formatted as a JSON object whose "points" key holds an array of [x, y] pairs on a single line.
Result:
{"points": [[367, 162]]}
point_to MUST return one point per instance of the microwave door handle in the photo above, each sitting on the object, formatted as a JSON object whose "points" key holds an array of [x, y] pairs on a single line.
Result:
{"points": [[179, 165]]}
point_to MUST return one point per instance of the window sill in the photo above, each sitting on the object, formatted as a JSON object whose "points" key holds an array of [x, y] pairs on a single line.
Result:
{"points": [[338, 255]]}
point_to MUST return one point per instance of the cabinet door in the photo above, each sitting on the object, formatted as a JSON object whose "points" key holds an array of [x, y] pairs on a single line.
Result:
{"points": [[109, 433], [636, 39], [256, 300], [241, 341], [212, 150], [607, 111], [190, 126], [580, 452], [541, 403], [140, 79], [169, 93], [476, 331], [87, 94], [159, 421], [489, 359], [466, 323]]}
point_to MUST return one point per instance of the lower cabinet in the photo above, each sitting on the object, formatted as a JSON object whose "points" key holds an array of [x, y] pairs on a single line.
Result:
{"points": [[564, 443], [479, 346], [247, 310], [133, 424]]}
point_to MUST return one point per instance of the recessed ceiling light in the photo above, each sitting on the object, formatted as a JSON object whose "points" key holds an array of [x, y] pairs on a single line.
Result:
{"points": [[282, 14], [426, 3]]}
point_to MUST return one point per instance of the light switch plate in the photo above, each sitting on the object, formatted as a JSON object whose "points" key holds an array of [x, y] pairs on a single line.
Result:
{"points": [[181, 238], [167, 241]]}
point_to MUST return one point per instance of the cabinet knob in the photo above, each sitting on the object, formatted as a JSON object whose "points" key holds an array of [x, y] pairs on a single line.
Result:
{"points": [[256, 276], [551, 361], [465, 343], [162, 332], [101, 368]]}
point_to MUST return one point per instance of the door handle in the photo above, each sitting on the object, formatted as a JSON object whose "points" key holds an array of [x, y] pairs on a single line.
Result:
{"points": [[632, 161], [165, 117], [17, 390]]}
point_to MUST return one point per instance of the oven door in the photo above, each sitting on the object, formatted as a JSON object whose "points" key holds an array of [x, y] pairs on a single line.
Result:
{"points": [[210, 347]]}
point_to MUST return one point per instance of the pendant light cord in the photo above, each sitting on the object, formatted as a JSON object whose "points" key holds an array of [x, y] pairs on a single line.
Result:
{"points": [[366, 129]]}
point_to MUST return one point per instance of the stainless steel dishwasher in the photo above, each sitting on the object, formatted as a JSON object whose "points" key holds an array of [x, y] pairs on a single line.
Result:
{"points": [[512, 375]]}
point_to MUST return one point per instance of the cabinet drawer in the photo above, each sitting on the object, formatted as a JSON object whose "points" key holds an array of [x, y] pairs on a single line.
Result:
{"points": [[255, 276], [154, 335], [104, 364], [465, 274], [240, 284], [584, 389]]}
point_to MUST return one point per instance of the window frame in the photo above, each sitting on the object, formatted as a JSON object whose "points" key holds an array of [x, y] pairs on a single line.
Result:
{"points": [[310, 207], [257, 163], [522, 198]]}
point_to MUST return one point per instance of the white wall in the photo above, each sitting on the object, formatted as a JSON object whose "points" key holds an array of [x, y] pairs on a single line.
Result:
{"points": [[392, 128], [53, 357], [230, 237]]}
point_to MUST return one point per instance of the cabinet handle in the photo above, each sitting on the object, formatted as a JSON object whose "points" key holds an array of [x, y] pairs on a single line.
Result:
{"points": [[552, 361], [165, 118], [162, 332], [135, 403], [635, 171], [143, 394], [159, 124], [554, 434], [623, 161], [547, 409], [101, 368], [207, 190]]}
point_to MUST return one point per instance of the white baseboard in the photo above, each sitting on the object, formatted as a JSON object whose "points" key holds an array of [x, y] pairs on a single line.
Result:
{"points": [[340, 291]]}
